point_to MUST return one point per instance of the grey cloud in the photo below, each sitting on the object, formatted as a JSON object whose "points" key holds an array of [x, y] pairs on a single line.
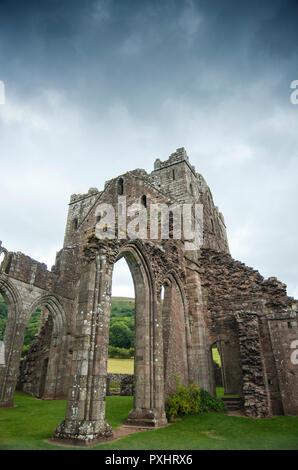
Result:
{"points": [[97, 88]]}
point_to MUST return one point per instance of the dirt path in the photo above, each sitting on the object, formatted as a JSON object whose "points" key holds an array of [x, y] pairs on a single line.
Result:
{"points": [[121, 431]]}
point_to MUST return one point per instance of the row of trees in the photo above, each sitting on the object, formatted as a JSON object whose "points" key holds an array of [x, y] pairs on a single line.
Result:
{"points": [[122, 327]]}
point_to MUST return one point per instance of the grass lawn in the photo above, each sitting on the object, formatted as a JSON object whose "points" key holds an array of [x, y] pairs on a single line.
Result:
{"points": [[32, 421], [120, 366], [220, 392]]}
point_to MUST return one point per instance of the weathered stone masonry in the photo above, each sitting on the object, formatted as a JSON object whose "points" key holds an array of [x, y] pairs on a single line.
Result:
{"points": [[209, 299]]}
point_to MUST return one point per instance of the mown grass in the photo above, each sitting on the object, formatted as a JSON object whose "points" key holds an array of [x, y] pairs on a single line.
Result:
{"points": [[120, 366], [32, 421], [220, 392]]}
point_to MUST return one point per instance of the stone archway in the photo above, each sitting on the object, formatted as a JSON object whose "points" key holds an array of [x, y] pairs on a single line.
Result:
{"points": [[148, 370], [12, 343], [176, 334], [45, 371], [85, 416]]}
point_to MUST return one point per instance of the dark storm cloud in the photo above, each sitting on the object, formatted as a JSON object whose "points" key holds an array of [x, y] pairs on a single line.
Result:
{"points": [[97, 87]]}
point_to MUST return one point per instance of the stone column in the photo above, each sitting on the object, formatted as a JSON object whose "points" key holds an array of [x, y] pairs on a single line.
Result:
{"points": [[158, 392], [201, 373], [230, 363], [255, 388], [14, 338], [149, 400], [85, 416]]}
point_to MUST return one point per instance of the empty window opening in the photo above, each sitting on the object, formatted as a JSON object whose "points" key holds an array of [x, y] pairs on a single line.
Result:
{"points": [[144, 201], [120, 187]]}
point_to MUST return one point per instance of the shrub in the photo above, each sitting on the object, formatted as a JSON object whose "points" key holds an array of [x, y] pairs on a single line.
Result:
{"points": [[189, 399], [120, 353], [210, 403]]}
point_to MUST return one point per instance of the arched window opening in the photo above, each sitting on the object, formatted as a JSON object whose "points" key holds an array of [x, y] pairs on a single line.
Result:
{"points": [[8, 263], [122, 329], [120, 187], [174, 336], [191, 189], [36, 353], [75, 224], [144, 201], [171, 224], [173, 175], [212, 225]]}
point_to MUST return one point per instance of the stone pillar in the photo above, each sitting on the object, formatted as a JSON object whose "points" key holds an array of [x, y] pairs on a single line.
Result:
{"points": [[85, 416], [149, 399], [158, 393], [174, 338], [231, 370], [57, 377], [14, 338], [255, 389], [201, 373]]}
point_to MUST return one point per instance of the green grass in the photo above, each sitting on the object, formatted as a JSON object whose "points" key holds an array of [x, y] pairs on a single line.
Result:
{"points": [[220, 392], [120, 366], [33, 421]]}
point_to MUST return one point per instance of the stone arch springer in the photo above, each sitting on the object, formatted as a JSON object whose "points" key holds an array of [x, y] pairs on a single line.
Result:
{"points": [[8, 371], [51, 352], [52, 303], [176, 333], [11, 296]]}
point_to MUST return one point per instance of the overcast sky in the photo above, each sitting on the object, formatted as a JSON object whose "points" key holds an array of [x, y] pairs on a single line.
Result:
{"points": [[95, 88]]}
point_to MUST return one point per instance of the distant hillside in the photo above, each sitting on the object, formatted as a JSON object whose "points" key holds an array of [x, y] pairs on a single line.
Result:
{"points": [[122, 307]]}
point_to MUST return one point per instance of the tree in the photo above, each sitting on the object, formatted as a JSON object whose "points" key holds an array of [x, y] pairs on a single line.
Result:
{"points": [[120, 335]]}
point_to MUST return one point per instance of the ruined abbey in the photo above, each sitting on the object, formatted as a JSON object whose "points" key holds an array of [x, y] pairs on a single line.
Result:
{"points": [[209, 299]]}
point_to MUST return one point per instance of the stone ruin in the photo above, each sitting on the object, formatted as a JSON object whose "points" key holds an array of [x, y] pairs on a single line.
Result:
{"points": [[209, 299]]}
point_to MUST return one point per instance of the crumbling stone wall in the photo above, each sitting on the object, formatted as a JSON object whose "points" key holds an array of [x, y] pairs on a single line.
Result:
{"points": [[26, 285], [33, 368], [126, 383], [242, 307]]}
